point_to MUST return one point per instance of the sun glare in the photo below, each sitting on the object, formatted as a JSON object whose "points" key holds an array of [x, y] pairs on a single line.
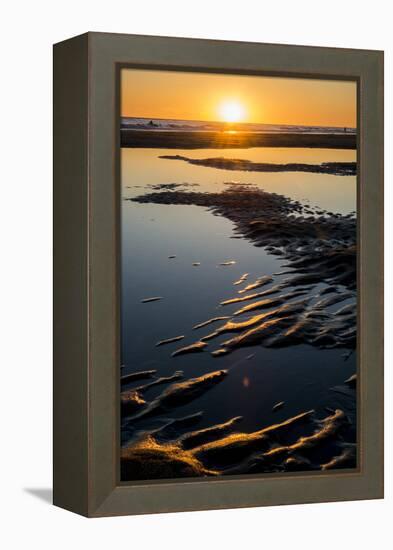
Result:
{"points": [[231, 111]]}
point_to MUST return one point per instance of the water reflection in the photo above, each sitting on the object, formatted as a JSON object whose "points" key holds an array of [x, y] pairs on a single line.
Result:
{"points": [[143, 167], [161, 245]]}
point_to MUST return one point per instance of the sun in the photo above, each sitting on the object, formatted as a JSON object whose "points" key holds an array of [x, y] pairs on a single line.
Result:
{"points": [[231, 111]]}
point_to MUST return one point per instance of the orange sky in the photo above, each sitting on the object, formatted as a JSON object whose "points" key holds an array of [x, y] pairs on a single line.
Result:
{"points": [[270, 100]]}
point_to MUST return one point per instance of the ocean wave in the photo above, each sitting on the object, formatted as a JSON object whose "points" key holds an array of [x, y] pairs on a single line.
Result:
{"points": [[174, 125]]}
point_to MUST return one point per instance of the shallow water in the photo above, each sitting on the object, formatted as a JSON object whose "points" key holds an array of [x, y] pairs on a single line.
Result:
{"points": [[142, 167], [300, 375]]}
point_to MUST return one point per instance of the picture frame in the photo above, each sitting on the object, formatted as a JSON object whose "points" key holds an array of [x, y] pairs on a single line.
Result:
{"points": [[86, 477]]}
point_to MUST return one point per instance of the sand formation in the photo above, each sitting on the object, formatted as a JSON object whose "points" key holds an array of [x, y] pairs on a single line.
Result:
{"points": [[317, 250], [334, 168], [303, 442], [311, 301]]}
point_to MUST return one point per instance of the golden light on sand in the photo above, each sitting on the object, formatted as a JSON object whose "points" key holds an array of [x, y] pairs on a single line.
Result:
{"points": [[231, 111]]}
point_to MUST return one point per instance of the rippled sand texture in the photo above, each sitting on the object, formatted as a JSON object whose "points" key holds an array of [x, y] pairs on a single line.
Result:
{"points": [[320, 252], [176, 449], [312, 301]]}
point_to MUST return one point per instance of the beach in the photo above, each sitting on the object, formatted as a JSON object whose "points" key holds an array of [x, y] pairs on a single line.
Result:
{"points": [[239, 315], [232, 139]]}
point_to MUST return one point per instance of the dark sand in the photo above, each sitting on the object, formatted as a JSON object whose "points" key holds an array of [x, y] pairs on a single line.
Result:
{"points": [[300, 443], [333, 168], [227, 140], [318, 248]]}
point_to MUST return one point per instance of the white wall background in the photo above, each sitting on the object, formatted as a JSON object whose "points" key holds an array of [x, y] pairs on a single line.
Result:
{"points": [[28, 30]]}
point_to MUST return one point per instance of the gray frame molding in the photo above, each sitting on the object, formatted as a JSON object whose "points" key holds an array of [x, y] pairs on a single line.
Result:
{"points": [[86, 274]]}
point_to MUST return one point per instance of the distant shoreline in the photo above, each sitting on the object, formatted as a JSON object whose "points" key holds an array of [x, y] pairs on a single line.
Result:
{"points": [[240, 140], [334, 168]]}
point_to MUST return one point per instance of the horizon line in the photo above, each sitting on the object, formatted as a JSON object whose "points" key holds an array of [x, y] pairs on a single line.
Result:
{"points": [[234, 123]]}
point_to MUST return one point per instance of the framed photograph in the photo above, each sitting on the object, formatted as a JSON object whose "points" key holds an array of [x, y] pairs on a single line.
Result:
{"points": [[218, 274]]}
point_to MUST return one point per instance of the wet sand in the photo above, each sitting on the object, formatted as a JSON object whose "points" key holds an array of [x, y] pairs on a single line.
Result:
{"points": [[235, 140], [318, 245], [319, 249], [333, 168], [304, 442]]}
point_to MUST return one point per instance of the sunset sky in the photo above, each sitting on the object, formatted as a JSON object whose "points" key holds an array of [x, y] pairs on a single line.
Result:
{"points": [[214, 97]]}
